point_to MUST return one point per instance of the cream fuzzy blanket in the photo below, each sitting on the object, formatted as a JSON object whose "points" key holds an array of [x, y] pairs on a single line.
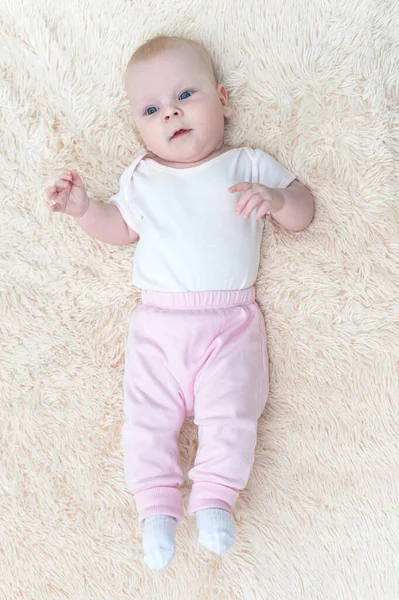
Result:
{"points": [[313, 82]]}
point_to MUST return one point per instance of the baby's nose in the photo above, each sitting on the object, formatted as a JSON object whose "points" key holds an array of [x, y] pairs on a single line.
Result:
{"points": [[176, 112]]}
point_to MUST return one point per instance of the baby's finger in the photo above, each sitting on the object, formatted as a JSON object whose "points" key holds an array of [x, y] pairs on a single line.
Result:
{"points": [[76, 179], [54, 195], [244, 199], [67, 175], [263, 211], [240, 187], [60, 202], [51, 192], [62, 184], [253, 203]]}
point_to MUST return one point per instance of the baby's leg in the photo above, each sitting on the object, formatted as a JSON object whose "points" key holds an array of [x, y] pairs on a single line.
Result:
{"points": [[154, 414], [231, 391]]}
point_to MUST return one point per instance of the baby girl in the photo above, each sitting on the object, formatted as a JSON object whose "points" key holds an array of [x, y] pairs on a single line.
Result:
{"points": [[197, 342]]}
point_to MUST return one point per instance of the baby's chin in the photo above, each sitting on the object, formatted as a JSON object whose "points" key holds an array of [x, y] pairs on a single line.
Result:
{"points": [[179, 152]]}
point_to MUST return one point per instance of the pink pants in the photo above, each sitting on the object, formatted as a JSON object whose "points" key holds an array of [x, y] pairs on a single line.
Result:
{"points": [[202, 354]]}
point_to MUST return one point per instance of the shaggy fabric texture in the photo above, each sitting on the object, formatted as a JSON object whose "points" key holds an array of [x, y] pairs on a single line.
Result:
{"points": [[314, 84]]}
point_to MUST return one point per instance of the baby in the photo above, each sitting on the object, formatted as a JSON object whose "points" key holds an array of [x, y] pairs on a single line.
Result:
{"points": [[197, 342]]}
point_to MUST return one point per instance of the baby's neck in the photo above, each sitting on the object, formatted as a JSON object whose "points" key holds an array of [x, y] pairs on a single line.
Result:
{"points": [[187, 165]]}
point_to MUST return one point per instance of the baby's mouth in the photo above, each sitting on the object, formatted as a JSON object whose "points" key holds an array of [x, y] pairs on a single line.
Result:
{"points": [[180, 133]]}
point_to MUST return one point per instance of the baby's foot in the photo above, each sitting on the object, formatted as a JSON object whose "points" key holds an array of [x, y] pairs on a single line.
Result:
{"points": [[159, 541], [216, 529]]}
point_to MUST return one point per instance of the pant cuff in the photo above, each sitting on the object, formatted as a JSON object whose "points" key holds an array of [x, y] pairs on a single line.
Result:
{"points": [[159, 501], [211, 495]]}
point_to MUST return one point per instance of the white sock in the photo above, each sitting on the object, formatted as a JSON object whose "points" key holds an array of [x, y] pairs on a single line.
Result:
{"points": [[216, 529], [159, 541]]}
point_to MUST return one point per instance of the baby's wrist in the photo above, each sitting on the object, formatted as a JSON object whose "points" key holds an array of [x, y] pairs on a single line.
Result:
{"points": [[280, 201], [85, 209]]}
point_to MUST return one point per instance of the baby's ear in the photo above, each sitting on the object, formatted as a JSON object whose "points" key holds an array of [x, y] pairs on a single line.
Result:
{"points": [[222, 93]]}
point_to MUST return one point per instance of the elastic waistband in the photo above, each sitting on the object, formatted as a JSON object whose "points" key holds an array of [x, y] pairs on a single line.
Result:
{"points": [[209, 299]]}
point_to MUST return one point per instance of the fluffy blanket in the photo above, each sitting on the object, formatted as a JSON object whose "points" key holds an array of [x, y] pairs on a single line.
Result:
{"points": [[313, 82]]}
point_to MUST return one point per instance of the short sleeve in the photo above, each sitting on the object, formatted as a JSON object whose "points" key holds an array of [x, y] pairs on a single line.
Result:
{"points": [[268, 171], [124, 199]]}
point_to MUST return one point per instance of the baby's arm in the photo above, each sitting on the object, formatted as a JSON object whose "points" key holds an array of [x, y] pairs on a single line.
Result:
{"points": [[101, 221], [274, 191], [292, 207], [104, 222], [298, 207]]}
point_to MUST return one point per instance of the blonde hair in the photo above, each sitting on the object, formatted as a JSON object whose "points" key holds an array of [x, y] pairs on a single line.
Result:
{"points": [[160, 43]]}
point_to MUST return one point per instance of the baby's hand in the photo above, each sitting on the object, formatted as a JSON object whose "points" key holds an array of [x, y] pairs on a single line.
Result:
{"points": [[69, 195], [269, 200]]}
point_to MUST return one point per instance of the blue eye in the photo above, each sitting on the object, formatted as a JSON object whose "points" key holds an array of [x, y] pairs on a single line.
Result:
{"points": [[185, 95], [151, 110]]}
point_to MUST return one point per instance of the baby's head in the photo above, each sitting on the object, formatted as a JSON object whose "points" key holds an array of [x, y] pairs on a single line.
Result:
{"points": [[171, 86]]}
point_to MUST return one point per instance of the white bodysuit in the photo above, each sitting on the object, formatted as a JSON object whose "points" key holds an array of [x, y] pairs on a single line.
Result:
{"points": [[191, 238]]}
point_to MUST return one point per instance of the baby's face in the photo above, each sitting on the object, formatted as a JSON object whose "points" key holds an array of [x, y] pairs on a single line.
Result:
{"points": [[176, 91]]}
